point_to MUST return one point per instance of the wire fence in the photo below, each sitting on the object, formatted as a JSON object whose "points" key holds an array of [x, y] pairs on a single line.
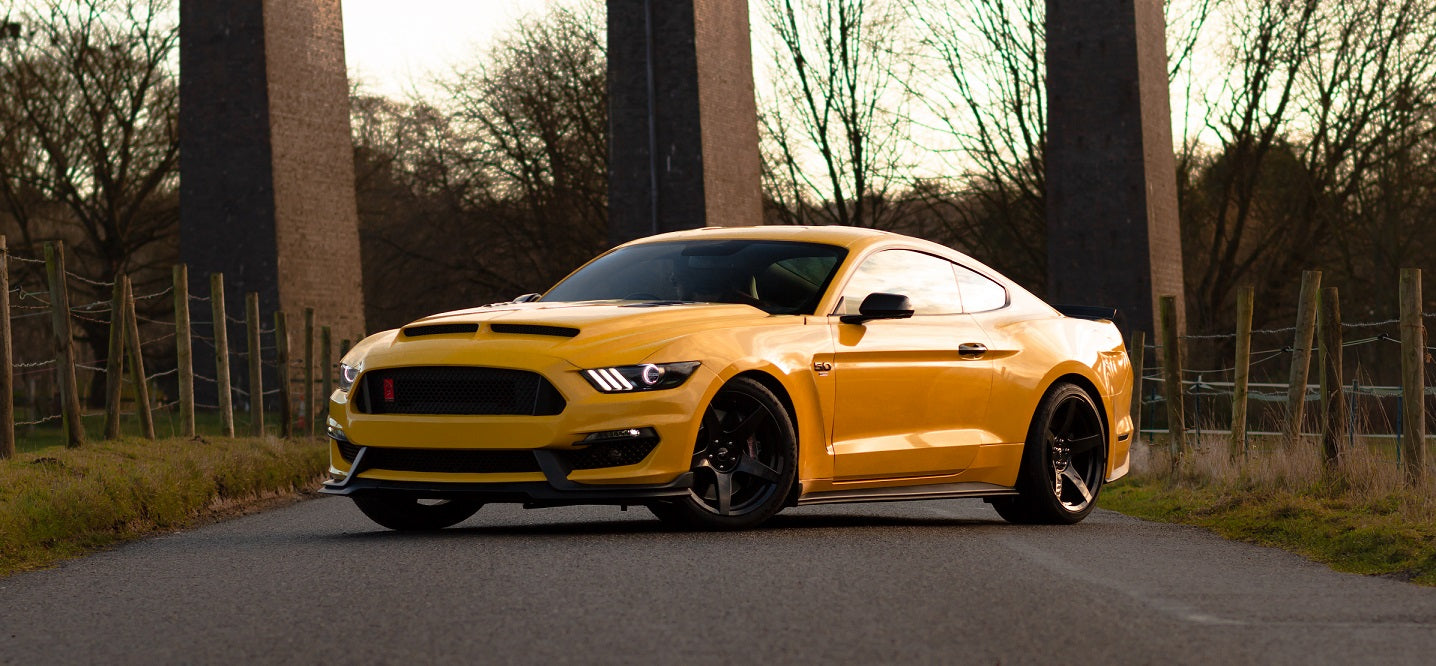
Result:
{"points": [[1359, 384], [127, 359]]}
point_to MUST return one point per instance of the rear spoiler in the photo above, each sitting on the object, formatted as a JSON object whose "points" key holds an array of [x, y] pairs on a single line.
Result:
{"points": [[1094, 312]]}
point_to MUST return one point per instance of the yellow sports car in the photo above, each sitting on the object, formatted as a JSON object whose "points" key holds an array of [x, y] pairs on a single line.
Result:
{"points": [[717, 376]]}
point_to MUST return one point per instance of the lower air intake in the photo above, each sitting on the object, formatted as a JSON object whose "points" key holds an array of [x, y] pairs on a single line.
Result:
{"points": [[611, 454], [450, 461]]}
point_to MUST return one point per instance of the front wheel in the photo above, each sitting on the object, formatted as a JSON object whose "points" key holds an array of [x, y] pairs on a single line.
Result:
{"points": [[1063, 462], [407, 513], [744, 462]]}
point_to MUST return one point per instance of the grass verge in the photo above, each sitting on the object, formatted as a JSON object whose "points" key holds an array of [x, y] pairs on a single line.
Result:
{"points": [[1359, 519], [60, 503]]}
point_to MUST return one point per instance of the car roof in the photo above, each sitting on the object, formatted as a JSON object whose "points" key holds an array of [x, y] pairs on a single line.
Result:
{"points": [[830, 235]]}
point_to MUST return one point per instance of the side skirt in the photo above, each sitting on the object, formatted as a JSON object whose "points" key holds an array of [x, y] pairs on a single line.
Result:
{"points": [[906, 493]]}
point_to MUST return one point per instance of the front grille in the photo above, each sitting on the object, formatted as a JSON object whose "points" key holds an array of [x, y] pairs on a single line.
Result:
{"points": [[457, 390], [347, 451], [463, 461], [440, 329], [611, 454], [534, 329]]}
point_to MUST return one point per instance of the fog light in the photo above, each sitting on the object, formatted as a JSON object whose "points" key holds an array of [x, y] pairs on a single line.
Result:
{"points": [[618, 435], [335, 431]]}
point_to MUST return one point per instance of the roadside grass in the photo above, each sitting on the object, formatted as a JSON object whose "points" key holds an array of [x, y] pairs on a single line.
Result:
{"points": [[1361, 519], [167, 424], [59, 502]]}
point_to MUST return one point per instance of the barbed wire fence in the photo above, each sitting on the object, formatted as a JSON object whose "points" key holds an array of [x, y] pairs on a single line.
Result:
{"points": [[1339, 409], [52, 397]]}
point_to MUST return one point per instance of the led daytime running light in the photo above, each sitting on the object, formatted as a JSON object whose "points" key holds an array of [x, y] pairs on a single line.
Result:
{"points": [[646, 377]]}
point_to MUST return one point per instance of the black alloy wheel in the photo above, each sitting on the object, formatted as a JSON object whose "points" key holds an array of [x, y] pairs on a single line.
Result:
{"points": [[407, 513], [1063, 462], [744, 462]]}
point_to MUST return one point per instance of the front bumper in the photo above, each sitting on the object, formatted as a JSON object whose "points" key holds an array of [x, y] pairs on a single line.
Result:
{"points": [[556, 489], [670, 414]]}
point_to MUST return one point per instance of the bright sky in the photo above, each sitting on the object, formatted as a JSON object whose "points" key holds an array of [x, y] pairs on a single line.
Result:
{"points": [[392, 47]]}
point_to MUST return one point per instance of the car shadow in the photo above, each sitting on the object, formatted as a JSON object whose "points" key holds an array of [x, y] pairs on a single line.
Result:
{"points": [[648, 526]]}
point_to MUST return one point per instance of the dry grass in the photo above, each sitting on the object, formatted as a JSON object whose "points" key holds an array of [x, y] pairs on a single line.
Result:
{"points": [[1359, 516], [59, 503]]}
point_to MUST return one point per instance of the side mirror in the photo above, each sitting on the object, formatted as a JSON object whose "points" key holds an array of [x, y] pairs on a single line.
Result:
{"points": [[881, 306], [527, 298]]}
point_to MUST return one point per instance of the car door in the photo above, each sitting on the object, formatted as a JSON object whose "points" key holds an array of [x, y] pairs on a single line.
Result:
{"points": [[911, 394]]}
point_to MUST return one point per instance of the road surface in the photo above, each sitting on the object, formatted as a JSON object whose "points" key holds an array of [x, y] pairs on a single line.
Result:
{"points": [[928, 582]]}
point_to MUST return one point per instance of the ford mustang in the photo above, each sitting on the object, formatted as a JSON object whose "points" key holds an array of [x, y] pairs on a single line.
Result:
{"points": [[717, 376]]}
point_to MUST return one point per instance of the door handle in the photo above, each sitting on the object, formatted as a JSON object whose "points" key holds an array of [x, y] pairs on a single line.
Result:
{"points": [[971, 349]]}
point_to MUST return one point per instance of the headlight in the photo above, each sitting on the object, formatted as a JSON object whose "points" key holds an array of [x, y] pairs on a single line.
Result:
{"points": [[646, 377], [347, 375]]}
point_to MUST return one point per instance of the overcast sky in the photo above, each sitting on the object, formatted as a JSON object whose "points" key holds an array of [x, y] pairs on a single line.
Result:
{"points": [[388, 44]]}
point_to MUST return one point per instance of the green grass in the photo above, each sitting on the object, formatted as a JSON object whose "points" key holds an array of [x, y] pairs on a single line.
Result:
{"points": [[167, 424], [1361, 519], [60, 502]]}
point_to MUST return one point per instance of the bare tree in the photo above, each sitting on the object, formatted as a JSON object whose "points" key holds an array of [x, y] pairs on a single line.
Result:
{"points": [[1322, 104], [503, 186], [983, 88], [89, 141], [833, 124]]}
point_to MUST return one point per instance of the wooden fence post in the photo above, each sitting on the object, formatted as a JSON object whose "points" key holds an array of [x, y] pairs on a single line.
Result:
{"points": [[1301, 354], [1172, 374], [326, 345], [281, 356], [1332, 391], [1413, 377], [343, 348], [221, 354], [1246, 298], [137, 362], [311, 412], [256, 365], [115, 364], [64, 343], [184, 352], [1137, 354], [7, 361]]}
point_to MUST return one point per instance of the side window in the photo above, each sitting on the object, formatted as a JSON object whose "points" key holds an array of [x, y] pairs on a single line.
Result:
{"points": [[926, 280], [979, 293]]}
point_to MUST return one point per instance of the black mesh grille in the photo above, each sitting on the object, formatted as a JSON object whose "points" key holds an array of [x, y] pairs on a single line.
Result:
{"points": [[534, 329], [457, 390], [440, 329], [611, 454], [464, 461], [347, 451]]}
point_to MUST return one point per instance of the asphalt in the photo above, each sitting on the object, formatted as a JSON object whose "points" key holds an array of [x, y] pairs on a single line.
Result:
{"points": [[928, 582]]}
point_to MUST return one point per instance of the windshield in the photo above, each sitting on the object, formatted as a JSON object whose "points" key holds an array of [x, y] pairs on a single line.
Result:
{"points": [[778, 277]]}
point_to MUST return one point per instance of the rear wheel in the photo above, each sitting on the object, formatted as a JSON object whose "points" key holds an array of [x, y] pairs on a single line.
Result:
{"points": [[407, 513], [1063, 462], [744, 462]]}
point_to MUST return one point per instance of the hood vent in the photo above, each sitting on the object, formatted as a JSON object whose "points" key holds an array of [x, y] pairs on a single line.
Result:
{"points": [[440, 329], [534, 329]]}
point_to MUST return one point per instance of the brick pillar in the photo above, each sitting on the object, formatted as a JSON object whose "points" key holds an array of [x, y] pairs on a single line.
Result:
{"points": [[683, 124], [1113, 235], [266, 160]]}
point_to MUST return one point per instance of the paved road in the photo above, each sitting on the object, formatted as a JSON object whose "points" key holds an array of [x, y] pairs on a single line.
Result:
{"points": [[917, 582]]}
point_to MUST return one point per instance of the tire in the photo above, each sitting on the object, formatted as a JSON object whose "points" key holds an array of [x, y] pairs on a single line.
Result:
{"points": [[407, 513], [1063, 461], [744, 462]]}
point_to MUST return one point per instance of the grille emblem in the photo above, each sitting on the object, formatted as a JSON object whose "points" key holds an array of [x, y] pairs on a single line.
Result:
{"points": [[388, 389]]}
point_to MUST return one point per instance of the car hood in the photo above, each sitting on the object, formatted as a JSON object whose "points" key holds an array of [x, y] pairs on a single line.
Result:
{"points": [[582, 333]]}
